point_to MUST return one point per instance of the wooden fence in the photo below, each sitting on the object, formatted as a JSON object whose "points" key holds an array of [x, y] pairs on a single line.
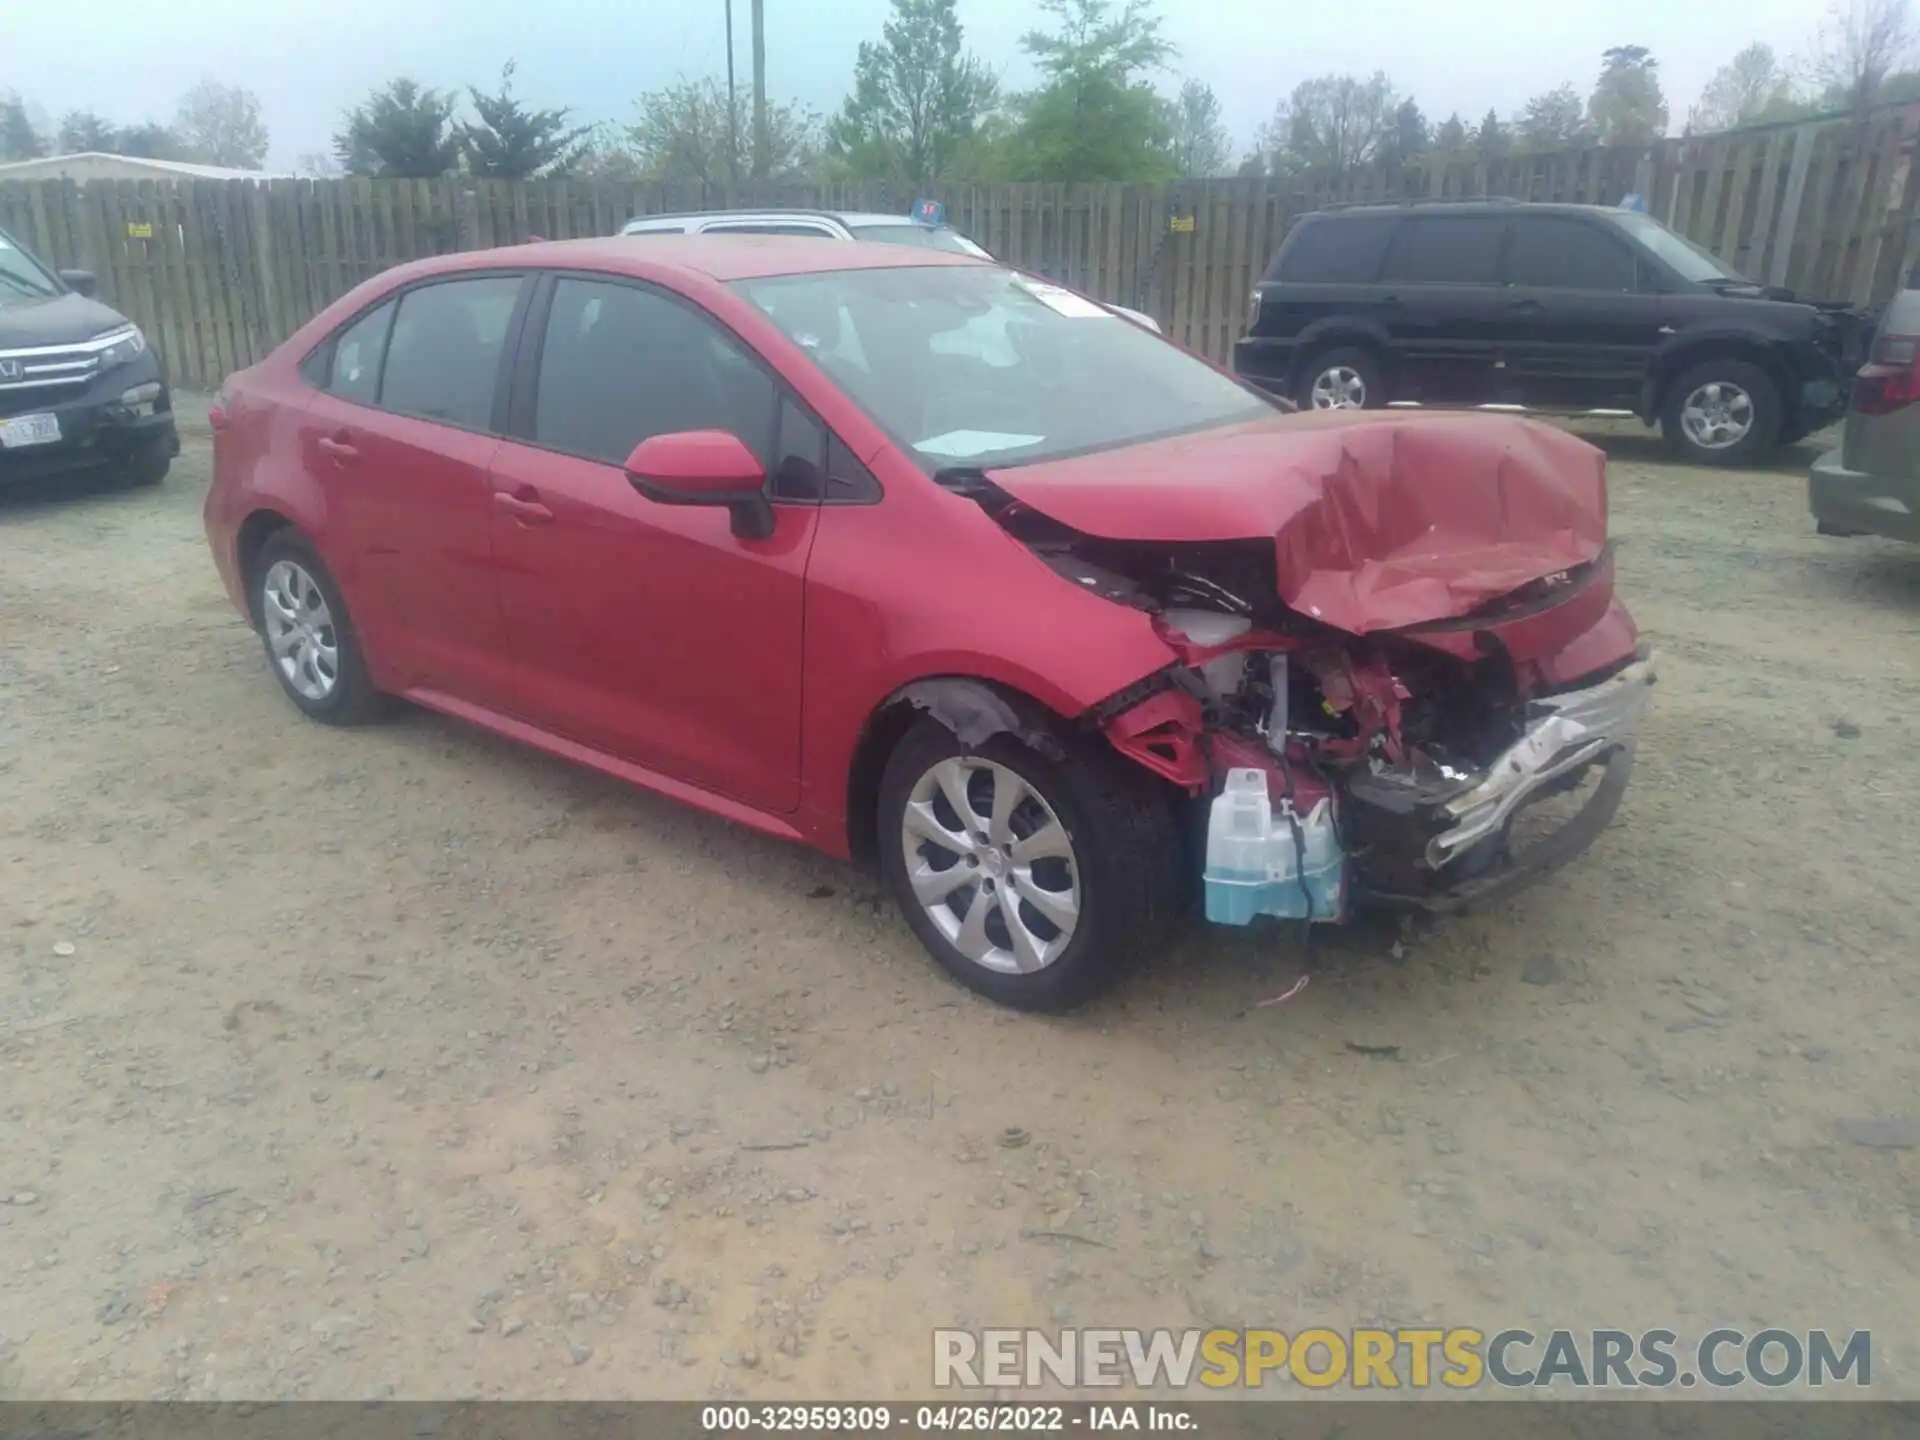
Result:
{"points": [[218, 272]]}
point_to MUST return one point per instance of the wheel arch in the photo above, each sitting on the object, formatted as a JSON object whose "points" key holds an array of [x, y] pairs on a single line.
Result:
{"points": [[258, 528], [1669, 365], [1339, 332], [973, 708]]}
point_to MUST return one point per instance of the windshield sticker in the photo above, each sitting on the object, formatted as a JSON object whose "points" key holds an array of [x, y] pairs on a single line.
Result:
{"points": [[1063, 302], [965, 444]]}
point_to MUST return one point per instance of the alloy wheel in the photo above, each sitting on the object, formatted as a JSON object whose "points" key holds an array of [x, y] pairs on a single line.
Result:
{"points": [[300, 630], [991, 864], [1339, 387], [1717, 415]]}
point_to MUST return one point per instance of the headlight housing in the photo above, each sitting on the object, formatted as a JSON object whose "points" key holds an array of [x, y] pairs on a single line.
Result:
{"points": [[127, 343]]}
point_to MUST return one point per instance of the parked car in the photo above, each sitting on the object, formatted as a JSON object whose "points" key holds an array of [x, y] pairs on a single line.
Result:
{"points": [[1869, 484], [1060, 636], [830, 225], [1558, 308], [80, 391]]}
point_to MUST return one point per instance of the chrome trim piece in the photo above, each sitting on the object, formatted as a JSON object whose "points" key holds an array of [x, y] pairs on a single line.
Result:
{"points": [[1567, 732], [76, 347]]}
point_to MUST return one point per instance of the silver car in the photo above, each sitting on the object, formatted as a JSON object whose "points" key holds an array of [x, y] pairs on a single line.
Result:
{"points": [[1870, 485], [829, 225]]}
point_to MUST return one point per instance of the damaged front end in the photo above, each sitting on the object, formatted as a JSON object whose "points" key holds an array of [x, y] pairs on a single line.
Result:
{"points": [[1371, 705]]}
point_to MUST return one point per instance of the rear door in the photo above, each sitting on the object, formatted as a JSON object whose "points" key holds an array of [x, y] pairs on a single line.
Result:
{"points": [[401, 438], [1439, 295], [1575, 330]]}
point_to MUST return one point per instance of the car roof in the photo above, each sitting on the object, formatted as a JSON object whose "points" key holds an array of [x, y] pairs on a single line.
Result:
{"points": [[1493, 205], [716, 257], [853, 219]]}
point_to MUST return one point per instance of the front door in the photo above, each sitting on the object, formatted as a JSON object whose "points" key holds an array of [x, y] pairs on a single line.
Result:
{"points": [[1574, 331], [402, 440], [648, 631]]}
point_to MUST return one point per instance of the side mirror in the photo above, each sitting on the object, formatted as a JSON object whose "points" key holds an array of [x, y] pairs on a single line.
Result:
{"points": [[705, 467], [81, 282]]}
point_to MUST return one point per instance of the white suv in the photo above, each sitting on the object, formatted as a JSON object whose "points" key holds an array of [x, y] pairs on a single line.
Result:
{"points": [[829, 225]]}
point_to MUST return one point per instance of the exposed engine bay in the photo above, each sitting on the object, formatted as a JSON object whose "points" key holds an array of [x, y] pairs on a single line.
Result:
{"points": [[1335, 769]]}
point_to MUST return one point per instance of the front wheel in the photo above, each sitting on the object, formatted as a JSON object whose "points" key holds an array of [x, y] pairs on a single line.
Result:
{"points": [[1031, 880], [1722, 412]]}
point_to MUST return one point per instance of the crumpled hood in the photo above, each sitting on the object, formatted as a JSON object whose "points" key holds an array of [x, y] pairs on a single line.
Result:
{"points": [[1378, 519]]}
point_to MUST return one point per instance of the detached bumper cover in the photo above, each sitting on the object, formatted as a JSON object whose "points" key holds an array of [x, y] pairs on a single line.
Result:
{"points": [[1445, 843]]}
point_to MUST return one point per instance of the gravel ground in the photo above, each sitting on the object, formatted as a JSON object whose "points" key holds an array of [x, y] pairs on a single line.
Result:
{"points": [[405, 1062]]}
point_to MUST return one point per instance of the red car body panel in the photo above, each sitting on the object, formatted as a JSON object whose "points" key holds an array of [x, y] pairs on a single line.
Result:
{"points": [[1378, 521], [540, 595]]}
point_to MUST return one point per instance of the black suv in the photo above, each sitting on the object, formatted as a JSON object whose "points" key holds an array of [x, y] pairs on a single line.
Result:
{"points": [[79, 388], [1569, 309]]}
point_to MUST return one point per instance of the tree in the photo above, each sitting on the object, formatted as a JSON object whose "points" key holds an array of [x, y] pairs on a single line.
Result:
{"points": [[1860, 45], [317, 165], [149, 141], [1451, 137], [1333, 122], [917, 99], [82, 131], [1407, 137], [1627, 107], [1492, 139], [1094, 116], [18, 139], [512, 142], [1553, 120], [400, 133], [683, 135], [1749, 88], [1200, 144], [220, 125]]}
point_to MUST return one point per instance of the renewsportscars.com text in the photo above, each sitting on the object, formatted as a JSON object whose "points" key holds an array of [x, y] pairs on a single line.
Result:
{"points": [[1416, 1359]]}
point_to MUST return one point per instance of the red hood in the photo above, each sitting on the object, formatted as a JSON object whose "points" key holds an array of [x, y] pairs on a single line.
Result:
{"points": [[1379, 520]]}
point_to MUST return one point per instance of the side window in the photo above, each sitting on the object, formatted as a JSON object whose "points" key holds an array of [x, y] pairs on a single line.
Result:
{"points": [[349, 365], [1566, 255], [1334, 252], [771, 227], [800, 454], [620, 364], [848, 481], [1445, 250], [444, 357]]}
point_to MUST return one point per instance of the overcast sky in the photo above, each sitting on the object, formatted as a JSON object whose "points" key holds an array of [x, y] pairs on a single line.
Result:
{"points": [[308, 62]]}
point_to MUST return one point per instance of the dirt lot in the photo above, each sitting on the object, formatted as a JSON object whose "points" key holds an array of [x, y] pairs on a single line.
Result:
{"points": [[403, 1062]]}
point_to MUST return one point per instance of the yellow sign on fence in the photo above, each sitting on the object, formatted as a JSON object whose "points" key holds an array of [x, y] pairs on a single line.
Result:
{"points": [[139, 230], [1181, 224]]}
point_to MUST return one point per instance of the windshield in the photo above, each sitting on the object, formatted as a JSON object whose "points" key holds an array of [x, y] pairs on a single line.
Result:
{"points": [[21, 278], [1692, 263], [926, 236], [977, 366]]}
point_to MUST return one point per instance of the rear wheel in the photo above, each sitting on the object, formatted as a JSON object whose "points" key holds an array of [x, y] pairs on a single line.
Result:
{"points": [[1031, 880], [309, 639], [1722, 412], [1348, 378]]}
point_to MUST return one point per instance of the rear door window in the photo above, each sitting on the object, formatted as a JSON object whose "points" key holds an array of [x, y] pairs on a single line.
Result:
{"points": [[1559, 254], [443, 360], [1334, 252], [352, 367], [1446, 250]]}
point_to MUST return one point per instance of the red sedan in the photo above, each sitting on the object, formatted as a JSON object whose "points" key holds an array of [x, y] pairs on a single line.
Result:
{"points": [[937, 566]]}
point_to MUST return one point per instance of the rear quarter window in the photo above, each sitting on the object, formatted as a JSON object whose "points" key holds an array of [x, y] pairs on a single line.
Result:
{"points": [[1334, 252]]}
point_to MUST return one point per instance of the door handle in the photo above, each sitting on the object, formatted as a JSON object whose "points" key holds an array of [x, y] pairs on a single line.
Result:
{"points": [[340, 451], [527, 512]]}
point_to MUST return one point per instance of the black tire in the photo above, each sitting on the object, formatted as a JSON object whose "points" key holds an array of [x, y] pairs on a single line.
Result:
{"points": [[351, 698], [147, 468], [1763, 437], [1126, 862], [1365, 364]]}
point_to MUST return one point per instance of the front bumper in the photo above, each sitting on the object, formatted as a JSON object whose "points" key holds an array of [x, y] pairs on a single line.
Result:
{"points": [[99, 427], [1464, 832], [1852, 502]]}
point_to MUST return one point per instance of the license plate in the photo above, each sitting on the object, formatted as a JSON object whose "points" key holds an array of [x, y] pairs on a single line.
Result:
{"points": [[29, 430]]}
